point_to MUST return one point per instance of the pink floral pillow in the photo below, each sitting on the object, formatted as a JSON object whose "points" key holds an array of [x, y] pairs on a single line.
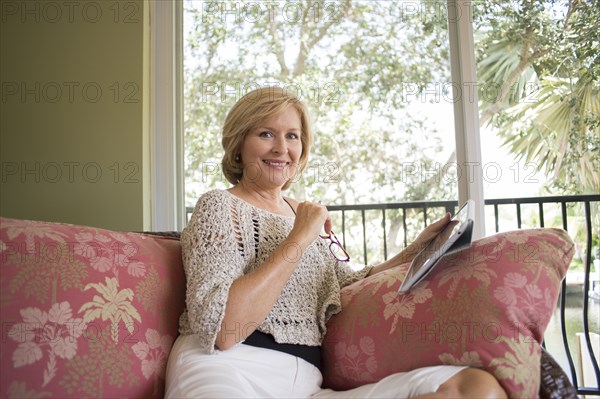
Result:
{"points": [[487, 306], [86, 312]]}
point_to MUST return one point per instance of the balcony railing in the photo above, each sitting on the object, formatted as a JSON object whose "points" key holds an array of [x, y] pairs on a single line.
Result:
{"points": [[375, 230]]}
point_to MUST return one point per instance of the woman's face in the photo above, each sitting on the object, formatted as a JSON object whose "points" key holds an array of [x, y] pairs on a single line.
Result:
{"points": [[271, 151]]}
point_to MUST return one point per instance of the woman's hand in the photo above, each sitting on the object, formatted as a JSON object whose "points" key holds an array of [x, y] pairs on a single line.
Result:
{"points": [[311, 219], [431, 231]]}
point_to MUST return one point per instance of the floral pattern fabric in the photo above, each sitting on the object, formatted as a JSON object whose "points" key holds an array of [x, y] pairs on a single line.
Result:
{"points": [[89, 312], [86, 312], [486, 306]]}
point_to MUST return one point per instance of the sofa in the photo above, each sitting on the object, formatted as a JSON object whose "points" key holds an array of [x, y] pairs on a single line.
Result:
{"points": [[88, 312]]}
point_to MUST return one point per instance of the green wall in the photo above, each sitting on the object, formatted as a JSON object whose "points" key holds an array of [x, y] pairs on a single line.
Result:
{"points": [[73, 112]]}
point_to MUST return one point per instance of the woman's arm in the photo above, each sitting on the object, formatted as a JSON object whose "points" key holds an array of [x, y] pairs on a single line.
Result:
{"points": [[252, 296], [408, 253]]}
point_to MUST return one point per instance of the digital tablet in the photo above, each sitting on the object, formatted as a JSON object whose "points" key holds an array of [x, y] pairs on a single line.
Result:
{"points": [[456, 236]]}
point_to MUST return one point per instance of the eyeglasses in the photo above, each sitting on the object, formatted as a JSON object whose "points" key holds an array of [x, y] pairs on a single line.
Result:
{"points": [[336, 247]]}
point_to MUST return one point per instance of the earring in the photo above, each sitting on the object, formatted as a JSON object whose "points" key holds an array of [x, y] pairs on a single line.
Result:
{"points": [[237, 158]]}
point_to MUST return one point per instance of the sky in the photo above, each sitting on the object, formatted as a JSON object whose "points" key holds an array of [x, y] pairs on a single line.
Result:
{"points": [[504, 175]]}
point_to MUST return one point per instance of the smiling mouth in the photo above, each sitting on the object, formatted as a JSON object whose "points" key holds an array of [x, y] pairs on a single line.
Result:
{"points": [[278, 164]]}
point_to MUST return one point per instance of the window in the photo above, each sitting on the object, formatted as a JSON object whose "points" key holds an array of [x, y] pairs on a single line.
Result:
{"points": [[538, 85], [374, 73]]}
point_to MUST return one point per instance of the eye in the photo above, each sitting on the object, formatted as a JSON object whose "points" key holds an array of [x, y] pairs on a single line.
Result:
{"points": [[293, 136], [265, 134]]}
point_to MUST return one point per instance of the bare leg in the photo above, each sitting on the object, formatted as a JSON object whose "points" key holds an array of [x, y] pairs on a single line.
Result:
{"points": [[469, 383]]}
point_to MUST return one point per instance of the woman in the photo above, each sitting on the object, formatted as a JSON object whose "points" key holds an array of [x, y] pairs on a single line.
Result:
{"points": [[262, 282]]}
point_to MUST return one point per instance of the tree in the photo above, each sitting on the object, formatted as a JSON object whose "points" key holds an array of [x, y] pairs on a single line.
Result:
{"points": [[544, 59], [114, 305], [365, 68], [360, 66], [351, 61]]}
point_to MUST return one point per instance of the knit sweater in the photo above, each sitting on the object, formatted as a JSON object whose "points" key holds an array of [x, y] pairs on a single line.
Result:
{"points": [[228, 237]]}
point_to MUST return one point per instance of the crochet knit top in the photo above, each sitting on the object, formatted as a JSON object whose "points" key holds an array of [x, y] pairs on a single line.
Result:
{"points": [[228, 237]]}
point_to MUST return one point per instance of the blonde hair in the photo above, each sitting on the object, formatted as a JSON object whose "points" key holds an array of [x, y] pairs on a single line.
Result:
{"points": [[247, 114]]}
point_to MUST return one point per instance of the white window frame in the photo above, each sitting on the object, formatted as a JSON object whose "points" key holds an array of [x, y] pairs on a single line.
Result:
{"points": [[166, 116], [466, 109]]}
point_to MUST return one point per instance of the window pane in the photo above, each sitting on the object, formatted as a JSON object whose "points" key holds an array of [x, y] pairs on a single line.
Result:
{"points": [[538, 78], [375, 75]]}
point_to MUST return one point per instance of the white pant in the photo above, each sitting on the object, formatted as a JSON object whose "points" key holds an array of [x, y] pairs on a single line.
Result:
{"points": [[249, 372]]}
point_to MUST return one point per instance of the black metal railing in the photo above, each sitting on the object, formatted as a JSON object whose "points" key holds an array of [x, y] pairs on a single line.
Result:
{"points": [[374, 230]]}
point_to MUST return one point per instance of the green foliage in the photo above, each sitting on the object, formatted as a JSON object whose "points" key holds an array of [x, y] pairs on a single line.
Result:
{"points": [[543, 57], [350, 61]]}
